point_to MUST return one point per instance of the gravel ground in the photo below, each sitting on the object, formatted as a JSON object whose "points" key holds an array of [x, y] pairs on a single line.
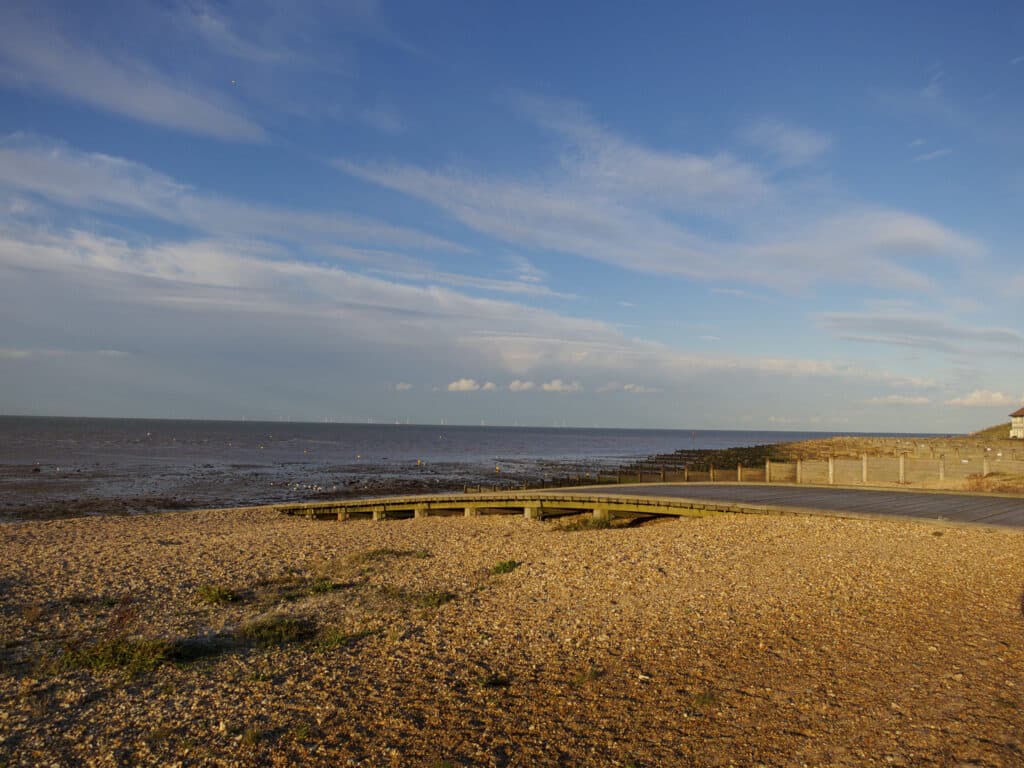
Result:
{"points": [[732, 640]]}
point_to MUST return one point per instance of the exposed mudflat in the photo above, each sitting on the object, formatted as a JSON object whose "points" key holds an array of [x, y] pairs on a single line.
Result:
{"points": [[733, 640]]}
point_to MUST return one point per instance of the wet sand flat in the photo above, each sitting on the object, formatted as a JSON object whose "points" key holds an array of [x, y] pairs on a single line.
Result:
{"points": [[238, 637]]}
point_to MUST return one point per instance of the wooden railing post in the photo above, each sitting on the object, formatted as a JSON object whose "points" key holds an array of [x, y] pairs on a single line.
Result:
{"points": [[831, 470], [739, 472], [864, 468], [767, 470], [942, 468]]}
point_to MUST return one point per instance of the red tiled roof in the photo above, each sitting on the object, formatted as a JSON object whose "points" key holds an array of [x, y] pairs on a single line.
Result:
{"points": [[1018, 412]]}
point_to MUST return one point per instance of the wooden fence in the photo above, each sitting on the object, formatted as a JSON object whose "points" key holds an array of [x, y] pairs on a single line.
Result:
{"points": [[947, 472]]}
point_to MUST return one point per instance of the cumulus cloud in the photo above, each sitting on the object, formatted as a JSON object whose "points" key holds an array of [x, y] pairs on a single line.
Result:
{"points": [[520, 386], [635, 389], [898, 400], [403, 386], [557, 385], [490, 386], [986, 398], [464, 385]]}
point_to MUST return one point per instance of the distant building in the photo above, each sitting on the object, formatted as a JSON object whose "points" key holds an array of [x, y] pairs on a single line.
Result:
{"points": [[1017, 423]]}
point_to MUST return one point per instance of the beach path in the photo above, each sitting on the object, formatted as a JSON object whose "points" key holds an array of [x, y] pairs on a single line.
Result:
{"points": [[955, 507]]}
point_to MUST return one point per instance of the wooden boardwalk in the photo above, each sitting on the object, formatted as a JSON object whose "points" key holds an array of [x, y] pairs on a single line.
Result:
{"points": [[686, 500]]}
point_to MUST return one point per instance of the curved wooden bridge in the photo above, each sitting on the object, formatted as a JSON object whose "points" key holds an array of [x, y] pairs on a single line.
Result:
{"points": [[685, 500]]}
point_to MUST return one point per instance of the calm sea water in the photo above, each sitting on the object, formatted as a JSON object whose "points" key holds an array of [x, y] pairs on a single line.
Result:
{"points": [[156, 463]]}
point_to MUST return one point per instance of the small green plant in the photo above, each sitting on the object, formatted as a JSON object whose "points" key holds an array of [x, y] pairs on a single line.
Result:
{"points": [[704, 699], [587, 675], [30, 614], [505, 566], [214, 594], [135, 656], [434, 598], [335, 638], [585, 524], [277, 629], [493, 680], [386, 553], [429, 599]]}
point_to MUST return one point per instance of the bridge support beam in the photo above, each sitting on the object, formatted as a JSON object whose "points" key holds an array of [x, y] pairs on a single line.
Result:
{"points": [[472, 512], [602, 513], [420, 510], [377, 513], [532, 513]]}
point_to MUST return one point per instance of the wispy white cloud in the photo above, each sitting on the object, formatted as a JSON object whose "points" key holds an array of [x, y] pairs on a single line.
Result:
{"points": [[898, 400], [9, 353], [214, 280], [489, 386], [403, 386], [98, 182], [789, 145], [221, 34], [934, 155], [925, 330], [384, 119], [408, 268], [620, 203], [35, 55], [986, 398]]}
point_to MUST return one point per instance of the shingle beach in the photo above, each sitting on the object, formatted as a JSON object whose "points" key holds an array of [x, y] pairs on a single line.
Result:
{"points": [[498, 641]]}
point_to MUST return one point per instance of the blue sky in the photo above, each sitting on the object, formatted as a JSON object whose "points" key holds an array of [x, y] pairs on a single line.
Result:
{"points": [[720, 215]]}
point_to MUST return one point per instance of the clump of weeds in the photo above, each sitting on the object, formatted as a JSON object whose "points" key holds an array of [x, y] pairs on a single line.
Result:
{"points": [[585, 524], [505, 566], [215, 594], [277, 629]]}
